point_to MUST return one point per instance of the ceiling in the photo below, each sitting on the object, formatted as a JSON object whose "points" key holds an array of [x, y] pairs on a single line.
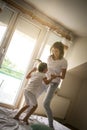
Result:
{"points": [[72, 14]]}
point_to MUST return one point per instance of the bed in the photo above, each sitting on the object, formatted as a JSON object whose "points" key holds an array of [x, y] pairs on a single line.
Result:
{"points": [[8, 123]]}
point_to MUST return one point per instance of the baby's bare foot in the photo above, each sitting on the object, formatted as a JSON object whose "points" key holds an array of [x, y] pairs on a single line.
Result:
{"points": [[16, 118], [26, 121]]}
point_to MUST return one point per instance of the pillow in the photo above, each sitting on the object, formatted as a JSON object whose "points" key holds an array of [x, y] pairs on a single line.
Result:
{"points": [[40, 127]]}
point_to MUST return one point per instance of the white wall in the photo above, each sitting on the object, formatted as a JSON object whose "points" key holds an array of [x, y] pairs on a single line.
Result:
{"points": [[78, 55]]}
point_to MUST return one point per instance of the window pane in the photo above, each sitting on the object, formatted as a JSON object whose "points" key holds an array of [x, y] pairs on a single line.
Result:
{"points": [[5, 17], [50, 40], [16, 60]]}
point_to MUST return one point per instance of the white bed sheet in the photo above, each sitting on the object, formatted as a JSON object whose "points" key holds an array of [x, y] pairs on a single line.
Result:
{"points": [[8, 123]]}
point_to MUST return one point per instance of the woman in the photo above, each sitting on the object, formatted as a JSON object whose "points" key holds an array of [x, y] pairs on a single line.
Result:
{"points": [[57, 64]]}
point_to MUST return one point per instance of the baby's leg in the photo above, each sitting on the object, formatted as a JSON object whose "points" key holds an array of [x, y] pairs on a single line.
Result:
{"points": [[20, 112], [29, 114], [30, 99]]}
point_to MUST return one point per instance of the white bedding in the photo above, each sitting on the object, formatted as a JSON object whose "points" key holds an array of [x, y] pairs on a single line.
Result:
{"points": [[8, 123]]}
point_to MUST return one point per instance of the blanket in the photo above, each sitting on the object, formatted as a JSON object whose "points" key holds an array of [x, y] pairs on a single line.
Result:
{"points": [[7, 122]]}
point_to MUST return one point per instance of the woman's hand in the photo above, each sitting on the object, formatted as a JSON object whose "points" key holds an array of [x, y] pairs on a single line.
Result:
{"points": [[53, 76]]}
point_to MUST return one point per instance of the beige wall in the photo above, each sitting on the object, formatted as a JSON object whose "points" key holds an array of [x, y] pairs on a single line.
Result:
{"points": [[76, 88], [78, 54], [78, 115]]}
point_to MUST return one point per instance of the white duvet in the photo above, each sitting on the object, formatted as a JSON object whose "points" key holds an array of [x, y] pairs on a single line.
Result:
{"points": [[8, 123]]}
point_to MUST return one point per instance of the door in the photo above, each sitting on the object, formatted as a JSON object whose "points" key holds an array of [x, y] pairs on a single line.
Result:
{"points": [[16, 60]]}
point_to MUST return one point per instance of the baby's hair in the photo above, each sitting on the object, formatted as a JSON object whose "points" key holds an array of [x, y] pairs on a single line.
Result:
{"points": [[42, 66], [38, 60]]}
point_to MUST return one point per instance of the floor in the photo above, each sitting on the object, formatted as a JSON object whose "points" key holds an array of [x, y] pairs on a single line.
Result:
{"points": [[65, 124]]}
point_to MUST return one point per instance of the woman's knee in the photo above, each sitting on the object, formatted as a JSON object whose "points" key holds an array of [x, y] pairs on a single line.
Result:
{"points": [[46, 104]]}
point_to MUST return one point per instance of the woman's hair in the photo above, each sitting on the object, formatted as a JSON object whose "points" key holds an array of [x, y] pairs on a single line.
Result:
{"points": [[42, 66], [60, 46]]}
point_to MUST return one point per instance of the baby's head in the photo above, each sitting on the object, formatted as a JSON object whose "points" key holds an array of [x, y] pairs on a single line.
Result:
{"points": [[42, 67]]}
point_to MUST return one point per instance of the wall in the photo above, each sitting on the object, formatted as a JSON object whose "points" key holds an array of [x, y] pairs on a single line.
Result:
{"points": [[78, 55], [77, 114]]}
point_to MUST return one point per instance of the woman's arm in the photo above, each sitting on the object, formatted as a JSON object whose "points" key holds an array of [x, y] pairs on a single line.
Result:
{"points": [[63, 73], [47, 81], [62, 76]]}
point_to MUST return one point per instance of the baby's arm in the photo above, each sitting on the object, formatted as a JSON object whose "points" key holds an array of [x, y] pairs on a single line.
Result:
{"points": [[29, 74], [47, 81]]}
